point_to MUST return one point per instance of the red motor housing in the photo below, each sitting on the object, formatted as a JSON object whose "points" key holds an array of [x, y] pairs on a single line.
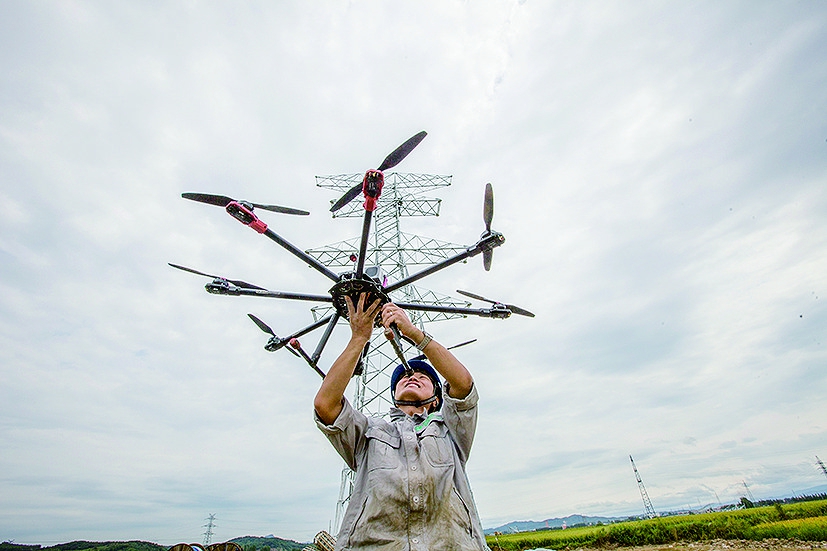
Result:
{"points": [[372, 188]]}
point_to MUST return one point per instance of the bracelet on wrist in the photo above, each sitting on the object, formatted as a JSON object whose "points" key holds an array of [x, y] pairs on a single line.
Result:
{"points": [[426, 340]]}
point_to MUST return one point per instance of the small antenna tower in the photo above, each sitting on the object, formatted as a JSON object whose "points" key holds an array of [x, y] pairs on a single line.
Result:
{"points": [[647, 503], [209, 526], [820, 464]]}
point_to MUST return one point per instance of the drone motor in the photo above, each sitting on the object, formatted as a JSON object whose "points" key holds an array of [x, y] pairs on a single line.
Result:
{"points": [[244, 214]]}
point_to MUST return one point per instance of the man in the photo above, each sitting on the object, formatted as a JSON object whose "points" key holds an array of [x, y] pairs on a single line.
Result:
{"points": [[410, 491]]}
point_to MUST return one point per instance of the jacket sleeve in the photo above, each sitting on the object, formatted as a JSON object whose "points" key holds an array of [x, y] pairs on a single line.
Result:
{"points": [[460, 416], [346, 433]]}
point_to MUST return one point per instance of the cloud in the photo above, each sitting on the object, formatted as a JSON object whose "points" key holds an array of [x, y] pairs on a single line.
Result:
{"points": [[658, 174]]}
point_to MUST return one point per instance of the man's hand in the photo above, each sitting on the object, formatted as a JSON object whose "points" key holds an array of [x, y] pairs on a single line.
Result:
{"points": [[361, 318], [457, 376], [391, 313]]}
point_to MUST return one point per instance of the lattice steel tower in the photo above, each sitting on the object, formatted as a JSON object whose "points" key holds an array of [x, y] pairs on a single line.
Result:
{"points": [[647, 503], [209, 526], [392, 251]]}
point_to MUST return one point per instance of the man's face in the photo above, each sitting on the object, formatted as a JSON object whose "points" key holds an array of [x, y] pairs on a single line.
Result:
{"points": [[416, 387]]}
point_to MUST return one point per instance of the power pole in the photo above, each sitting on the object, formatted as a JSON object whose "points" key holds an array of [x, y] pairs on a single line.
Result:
{"points": [[820, 464], [209, 526], [393, 252], [647, 503]]}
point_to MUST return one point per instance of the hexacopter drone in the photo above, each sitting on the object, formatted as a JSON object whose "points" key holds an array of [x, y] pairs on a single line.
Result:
{"points": [[360, 280]]}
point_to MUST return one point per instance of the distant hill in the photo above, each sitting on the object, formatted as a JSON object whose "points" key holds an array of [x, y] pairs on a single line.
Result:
{"points": [[247, 543], [570, 521], [87, 546], [265, 543]]}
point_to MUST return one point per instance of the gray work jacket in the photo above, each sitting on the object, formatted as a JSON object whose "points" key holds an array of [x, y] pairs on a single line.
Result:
{"points": [[410, 491]]}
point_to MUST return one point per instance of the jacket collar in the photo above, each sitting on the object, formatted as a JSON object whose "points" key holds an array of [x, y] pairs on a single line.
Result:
{"points": [[421, 420]]}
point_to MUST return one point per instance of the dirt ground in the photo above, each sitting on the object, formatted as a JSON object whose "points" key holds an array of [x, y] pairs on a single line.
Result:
{"points": [[728, 545]]}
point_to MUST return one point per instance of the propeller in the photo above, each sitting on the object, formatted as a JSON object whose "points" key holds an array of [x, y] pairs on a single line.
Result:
{"points": [[237, 283], [266, 328], [487, 217], [422, 356], [390, 161], [514, 309], [223, 201]]}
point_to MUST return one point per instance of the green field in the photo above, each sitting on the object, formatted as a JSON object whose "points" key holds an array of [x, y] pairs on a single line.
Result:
{"points": [[803, 521]]}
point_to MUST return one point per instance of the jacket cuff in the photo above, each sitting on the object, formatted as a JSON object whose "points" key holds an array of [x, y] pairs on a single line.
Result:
{"points": [[461, 404], [344, 419]]}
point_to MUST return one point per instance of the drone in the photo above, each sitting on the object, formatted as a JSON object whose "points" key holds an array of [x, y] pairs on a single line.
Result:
{"points": [[361, 279]]}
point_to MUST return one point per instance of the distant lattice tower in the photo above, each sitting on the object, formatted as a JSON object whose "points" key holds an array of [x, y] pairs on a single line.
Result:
{"points": [[209, 526], [749, 493], [647, 503], [820, 464], [392, 252]]}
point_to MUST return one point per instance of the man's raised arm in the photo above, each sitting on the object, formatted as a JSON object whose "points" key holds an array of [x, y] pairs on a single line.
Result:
{"points": [[328, 401], [458, 377]]}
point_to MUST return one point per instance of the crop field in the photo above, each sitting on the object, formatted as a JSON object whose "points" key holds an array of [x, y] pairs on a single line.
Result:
{"points": [[805, 521]]}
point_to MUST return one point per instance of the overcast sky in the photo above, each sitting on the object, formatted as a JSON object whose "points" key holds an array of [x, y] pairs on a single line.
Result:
{"points": [[659, 169]]}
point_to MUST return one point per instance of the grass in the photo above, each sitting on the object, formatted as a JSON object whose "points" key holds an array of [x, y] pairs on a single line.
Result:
{"points": [[802, 521]]}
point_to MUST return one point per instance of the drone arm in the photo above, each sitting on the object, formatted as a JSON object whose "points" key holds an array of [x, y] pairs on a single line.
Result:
{"points": [[237, 291], [395, 338], [488, 242], [428, 271], [325, 337], [496, 312], [309, 260], [363, 246], [296, 345], [312, 327]]}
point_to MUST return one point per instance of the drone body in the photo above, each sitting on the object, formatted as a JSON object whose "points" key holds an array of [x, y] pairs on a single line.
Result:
{"points": [[360, 280]]}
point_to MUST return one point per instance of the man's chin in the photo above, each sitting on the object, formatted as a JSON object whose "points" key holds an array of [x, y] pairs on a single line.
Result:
{"points": [[411, 396]]}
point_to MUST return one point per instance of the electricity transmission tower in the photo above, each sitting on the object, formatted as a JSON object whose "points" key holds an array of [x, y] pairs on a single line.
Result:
{"points": [[209, 526], [647, 503], [749, 493], [390, 253], [820, 464]]}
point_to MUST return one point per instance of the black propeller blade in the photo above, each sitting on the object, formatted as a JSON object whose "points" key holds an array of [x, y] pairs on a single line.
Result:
{"points": [[514, 309], [401, 152], [237, 283], [487, 217], [261, 325], [266, 328], [488, 207], [390, 161], [347, 197], [223, 201], [422, 356]]}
